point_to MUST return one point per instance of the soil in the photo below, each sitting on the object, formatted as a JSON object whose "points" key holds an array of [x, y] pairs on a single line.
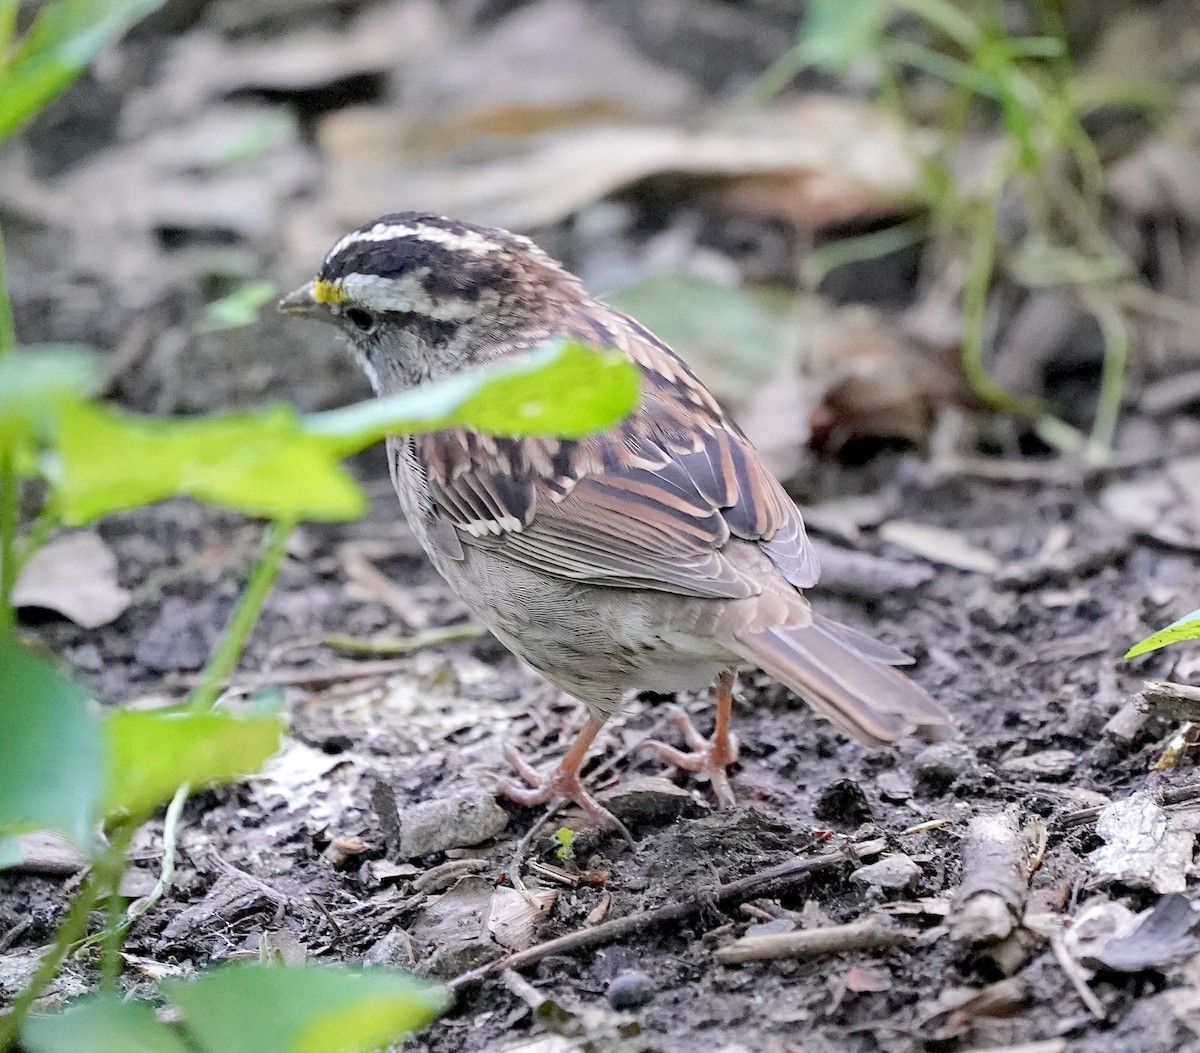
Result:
{"points": [[305, 860], [1025, 670]]}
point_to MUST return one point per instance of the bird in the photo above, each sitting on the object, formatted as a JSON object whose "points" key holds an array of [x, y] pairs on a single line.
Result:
{"points": [[658, 555]]}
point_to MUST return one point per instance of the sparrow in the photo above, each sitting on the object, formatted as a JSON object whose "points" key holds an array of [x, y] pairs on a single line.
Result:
{"points": [[658, 555]]}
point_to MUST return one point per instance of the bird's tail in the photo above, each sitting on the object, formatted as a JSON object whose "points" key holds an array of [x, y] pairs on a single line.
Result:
{"points": [[848, 678]]}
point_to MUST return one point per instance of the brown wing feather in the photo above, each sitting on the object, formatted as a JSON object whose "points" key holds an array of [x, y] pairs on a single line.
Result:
{"points": [[652, 503]]}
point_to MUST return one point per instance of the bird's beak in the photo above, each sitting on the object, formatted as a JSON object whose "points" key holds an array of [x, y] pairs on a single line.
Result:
{"points": [[303, 302]]}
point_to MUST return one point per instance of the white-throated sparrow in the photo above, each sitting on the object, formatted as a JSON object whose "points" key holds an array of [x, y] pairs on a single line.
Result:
{"points": [[658, 555]]}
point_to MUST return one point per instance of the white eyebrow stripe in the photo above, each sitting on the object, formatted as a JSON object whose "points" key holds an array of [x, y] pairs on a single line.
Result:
{"points": [[406, 293], [472, 241]]}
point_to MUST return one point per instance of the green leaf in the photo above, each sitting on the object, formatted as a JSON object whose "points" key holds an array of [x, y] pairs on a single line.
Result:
{"points": [[275, 465], [838, 33], [262, 464], [246, 1008], [65, 36], [102, 1024], [565, 388], [735, 338], [149, 754], [50, 750], [35, 381], [239, 309], [1187, 628]]}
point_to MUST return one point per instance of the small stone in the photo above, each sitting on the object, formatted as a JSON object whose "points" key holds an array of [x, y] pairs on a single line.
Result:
{"points": [[894, 786], [895, 873], [467, 818], [630, 990], [645, 800], [939, 766], [843, 803]]}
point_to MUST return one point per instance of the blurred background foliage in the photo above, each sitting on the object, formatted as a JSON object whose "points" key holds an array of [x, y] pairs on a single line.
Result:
{"points": [[851, 216]]}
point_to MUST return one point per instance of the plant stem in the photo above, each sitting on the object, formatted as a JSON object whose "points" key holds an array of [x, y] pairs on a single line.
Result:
{"points": [[244, 617], [10, 507], [72, 928], [105, 874], [8, 336], [974, 317], [1112, 376]]}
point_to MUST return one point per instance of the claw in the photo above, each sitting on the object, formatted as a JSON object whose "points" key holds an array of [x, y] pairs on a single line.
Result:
{"points": [[711, 757], [562, 782]]}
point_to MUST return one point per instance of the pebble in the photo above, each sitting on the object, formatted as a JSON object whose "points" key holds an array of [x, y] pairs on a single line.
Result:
{"points": [[467, 818], [895, 873], [647, 799], [630, 990], [939, 766]]}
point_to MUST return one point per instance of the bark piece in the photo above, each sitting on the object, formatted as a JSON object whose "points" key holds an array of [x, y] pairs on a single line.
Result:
{"points": [[991, 896]]}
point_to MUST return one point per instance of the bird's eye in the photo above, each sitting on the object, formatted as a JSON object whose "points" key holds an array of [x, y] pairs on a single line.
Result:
{"points": [[360, 319]]}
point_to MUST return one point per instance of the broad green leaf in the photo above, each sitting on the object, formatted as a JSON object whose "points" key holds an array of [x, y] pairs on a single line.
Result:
{"points": [[247, 1008], [34, 381], [64, 37], [1187, 628], [102, 1024], [275, 465], [50, 750], [263, 464], [150, 754], [565, 389]]}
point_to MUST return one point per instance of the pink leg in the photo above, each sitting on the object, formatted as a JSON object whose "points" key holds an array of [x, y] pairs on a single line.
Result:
{"points": [[710, 756], [563, 781]]}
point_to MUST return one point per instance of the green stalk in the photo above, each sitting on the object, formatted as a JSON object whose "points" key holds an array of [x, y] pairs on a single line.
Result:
{"points": [[974, 318], [106, 872], [69, 932], [8, 336], [245, 616], [8, 22], [1112, 376], [10, 507]]}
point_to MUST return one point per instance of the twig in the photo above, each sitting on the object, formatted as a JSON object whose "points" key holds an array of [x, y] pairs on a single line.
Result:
{"points": [[865, 935], [766, 883], [989, 900], [1185, 794], [523, 989], [403, 644], [1075, 974], [335, 674]]}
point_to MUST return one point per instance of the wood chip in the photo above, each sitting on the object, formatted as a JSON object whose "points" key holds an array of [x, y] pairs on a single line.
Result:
{"points": [[991, 895]]}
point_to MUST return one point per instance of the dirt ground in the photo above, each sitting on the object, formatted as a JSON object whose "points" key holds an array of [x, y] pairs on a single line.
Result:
{"points": [[1016, 580]]}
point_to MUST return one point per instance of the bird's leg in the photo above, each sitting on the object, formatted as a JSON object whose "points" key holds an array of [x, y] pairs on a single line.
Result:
{"points": [[563, 781], [710, 756]]}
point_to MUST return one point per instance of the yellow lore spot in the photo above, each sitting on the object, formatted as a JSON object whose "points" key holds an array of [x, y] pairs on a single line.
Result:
{"points": [[327, 292]]}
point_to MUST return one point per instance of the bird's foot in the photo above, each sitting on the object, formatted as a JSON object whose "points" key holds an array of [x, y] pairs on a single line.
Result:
{"points": [[563, 781], [711, 757]]}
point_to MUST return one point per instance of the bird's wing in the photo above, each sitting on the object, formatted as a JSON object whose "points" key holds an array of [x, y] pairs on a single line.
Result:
{"points": [[651, 503]]}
